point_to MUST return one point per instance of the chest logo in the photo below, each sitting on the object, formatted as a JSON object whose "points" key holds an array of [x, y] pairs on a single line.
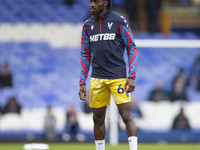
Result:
{"points": [[102, 37], [110, 25], [92, 27]]}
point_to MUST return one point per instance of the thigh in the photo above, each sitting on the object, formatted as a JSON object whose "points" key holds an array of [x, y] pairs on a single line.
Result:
{"points": [[125, 112], [99, 93], [117, 88], [99, 113], [124, 108]]}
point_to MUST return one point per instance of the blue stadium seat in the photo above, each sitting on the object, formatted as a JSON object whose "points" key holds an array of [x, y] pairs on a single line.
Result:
{"points": [[42, 11], [46, 75]]}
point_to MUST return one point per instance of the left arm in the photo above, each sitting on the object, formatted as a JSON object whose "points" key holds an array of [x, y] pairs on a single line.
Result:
{"points": [[130, 46]]}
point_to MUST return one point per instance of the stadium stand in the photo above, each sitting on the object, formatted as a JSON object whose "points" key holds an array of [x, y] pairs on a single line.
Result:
{"points": [[42, 78], [40, 40], [43, 11]]}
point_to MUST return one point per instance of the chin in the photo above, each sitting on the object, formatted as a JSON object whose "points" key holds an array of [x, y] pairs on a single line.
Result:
{"points": [[93, 13]]}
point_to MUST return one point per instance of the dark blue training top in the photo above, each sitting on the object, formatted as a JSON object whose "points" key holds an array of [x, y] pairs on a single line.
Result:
{"points": [[104, 41]]}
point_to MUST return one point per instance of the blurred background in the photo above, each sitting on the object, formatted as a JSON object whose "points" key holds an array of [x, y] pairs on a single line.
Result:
{"points": [[39, 70]]}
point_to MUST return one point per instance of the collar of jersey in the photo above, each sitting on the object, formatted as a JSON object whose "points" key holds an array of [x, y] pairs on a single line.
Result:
{"points": [[105, 14]]}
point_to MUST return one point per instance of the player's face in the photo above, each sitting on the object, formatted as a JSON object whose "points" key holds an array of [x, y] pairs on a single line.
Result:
{"points": [[97, 6]]}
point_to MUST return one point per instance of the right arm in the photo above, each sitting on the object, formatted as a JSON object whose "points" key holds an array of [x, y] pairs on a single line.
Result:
{"points": [[85, 61]]}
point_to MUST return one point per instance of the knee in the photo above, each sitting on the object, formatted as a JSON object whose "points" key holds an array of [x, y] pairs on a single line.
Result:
{"points": [[98, 119], [127, 118]]}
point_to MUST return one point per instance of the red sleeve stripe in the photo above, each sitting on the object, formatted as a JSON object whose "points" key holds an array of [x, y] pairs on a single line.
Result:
{"points": [[132, 75], [86, 50], [120, 29], [81, 82], [85, 32], [130, 67], [85, 68], [134, 56], [87, 57], [130, 39], [128, 53]]}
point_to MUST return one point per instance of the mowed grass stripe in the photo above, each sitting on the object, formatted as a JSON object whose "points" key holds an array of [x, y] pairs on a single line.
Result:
{"points": [[91, 146]]}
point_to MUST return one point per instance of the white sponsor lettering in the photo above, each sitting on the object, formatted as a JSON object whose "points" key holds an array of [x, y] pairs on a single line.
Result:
{"points": [[106, 36], [112, 36], [96, 38], [100, 37]]}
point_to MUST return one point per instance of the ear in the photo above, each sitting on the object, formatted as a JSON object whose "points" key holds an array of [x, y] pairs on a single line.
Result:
{"points": [[106, 3]]}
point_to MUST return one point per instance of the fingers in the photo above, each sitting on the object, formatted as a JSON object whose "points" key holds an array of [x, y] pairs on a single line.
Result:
{"points": [[130, 85], [82, 92], [131, 88], [126, 88], [82, 95]]}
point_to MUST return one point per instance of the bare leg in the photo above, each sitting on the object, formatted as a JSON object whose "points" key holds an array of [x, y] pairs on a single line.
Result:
{"points": [[127, 117], [99, 123]]}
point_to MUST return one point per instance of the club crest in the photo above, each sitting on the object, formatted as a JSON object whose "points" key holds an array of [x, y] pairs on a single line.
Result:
{"points": [[92, 27], [110, 25]]}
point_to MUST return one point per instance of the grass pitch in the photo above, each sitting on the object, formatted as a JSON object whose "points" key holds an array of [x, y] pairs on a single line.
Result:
{"points": [[91, 146]]}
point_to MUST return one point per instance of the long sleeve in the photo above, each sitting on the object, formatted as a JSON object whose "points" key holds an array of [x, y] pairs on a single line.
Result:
{"points": [[128, 40], [85, 58]]}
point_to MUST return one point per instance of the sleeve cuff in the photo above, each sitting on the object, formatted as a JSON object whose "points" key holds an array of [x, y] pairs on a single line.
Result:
{"points": [[82, 84], [131, 78]]}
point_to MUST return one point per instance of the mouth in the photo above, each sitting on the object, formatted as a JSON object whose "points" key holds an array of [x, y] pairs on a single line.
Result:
{"points": [[92, 10]]}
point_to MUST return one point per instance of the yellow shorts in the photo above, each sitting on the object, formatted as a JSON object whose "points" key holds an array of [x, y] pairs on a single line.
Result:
{"points": [[101, 90]]}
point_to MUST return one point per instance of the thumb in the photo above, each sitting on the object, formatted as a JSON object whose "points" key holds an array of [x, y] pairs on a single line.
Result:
{"points": [[84, 93], [126, 86]]}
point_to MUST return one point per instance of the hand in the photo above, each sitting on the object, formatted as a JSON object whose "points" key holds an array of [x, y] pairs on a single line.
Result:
{"points": [[130, 85], [82, 92]]}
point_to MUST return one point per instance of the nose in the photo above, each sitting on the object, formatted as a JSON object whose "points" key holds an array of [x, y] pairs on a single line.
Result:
{"points": [[92, 4]]}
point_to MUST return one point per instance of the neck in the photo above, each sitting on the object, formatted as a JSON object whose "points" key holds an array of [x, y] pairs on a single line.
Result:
{"points": [[101, 14]]}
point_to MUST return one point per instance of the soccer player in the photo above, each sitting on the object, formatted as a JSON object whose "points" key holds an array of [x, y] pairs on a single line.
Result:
{"points": [[105, 36]]}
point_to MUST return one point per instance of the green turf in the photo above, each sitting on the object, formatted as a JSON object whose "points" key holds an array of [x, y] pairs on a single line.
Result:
{"points": [[78, 146]]}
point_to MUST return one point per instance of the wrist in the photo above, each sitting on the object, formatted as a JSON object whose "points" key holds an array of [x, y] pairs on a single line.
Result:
{"points": [[131, 78]]}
